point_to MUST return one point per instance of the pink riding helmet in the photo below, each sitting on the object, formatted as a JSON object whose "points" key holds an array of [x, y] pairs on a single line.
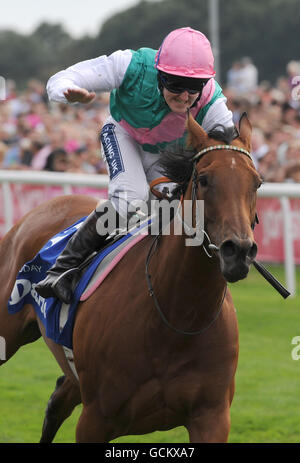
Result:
{"points": [[186, 52]]}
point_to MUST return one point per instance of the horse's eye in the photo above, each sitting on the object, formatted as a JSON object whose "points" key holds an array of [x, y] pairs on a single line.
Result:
{"points": [[203, 181], [258, 184]]}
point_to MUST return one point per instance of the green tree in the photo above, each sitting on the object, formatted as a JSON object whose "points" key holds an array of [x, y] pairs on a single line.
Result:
{"points": [[147, 23], [20, 56], [53, 41], [266, 31]]}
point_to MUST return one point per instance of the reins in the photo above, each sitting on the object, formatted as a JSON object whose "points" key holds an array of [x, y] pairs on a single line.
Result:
{"points": [[157, 305]]}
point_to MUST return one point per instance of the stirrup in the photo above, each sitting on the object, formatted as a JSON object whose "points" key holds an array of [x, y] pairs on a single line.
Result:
{"points": [[60, 287], [74, 271], [66, 274]]}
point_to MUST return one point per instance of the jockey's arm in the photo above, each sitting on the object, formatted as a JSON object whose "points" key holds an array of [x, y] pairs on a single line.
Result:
{"points": [[218, 113], [79, 82]]}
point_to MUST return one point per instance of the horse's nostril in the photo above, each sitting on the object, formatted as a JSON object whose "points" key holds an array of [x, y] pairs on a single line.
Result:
{"points": [[228, 249], [239, 248], [252, 251]]}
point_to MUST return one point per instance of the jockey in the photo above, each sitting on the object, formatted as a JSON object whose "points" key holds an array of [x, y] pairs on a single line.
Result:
{"points": [[151, 92]]}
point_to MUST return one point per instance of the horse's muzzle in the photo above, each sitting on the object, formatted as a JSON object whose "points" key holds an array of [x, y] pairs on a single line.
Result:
{"points": [[236, 255]]}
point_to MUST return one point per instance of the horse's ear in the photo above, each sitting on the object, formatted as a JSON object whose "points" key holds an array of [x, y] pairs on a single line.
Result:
{"points": [[196, 134], [245, 129]]}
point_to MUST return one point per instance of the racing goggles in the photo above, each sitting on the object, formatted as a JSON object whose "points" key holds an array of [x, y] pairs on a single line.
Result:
{"points": [[179, 85]]}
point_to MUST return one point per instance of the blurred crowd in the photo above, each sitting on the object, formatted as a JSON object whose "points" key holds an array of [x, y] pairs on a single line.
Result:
{"points": [[274, 112], [36, 134]]}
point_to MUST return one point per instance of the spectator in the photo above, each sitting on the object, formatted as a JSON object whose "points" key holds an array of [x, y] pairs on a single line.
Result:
{"points": [[275, 121], [79, 161], [234, 77], [3, 149], [57, 161], [248, 76], [18, 156], [242, 78], [259, 146], [293, 71], [31, 128]]}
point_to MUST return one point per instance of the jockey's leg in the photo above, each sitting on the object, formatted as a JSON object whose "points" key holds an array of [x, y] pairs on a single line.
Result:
{"points": [[127, 184], [88, 238], [124, 158]]}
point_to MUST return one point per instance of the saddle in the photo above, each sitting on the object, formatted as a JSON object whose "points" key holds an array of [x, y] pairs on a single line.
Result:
{"points": [[57, 317]]}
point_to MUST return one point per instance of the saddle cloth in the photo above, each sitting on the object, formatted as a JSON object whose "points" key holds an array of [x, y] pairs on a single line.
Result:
{"points": [[57, 317]]}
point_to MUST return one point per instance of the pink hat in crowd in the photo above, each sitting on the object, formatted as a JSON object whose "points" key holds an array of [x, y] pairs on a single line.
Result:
{"points": [[186, 52], [33, 120], [71, 146]]}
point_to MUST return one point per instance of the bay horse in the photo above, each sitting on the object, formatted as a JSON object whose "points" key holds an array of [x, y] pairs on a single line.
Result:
{"points": [[138, 374]]}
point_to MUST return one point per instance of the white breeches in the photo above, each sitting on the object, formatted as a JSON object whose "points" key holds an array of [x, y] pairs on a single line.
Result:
{"points": [[131, 169]]}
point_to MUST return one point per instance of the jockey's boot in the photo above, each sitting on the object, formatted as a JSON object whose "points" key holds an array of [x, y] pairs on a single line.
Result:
{"points": [[64, 275]]}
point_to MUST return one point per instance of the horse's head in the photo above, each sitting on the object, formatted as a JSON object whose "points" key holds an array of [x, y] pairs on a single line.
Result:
{"points": [[227, 181]]}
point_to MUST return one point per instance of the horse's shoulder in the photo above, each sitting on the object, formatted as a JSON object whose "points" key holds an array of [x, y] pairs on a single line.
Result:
{"points": [[35, 228], [75, 205]]}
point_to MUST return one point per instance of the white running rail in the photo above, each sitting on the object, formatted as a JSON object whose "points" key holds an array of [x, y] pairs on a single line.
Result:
{"points": [[282, 191]]}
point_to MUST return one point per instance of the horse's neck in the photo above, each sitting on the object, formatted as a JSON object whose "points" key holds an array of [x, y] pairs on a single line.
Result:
{"points": [[188, 262], [188, 283]]}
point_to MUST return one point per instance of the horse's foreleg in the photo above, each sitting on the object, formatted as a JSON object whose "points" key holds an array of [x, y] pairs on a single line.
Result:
{"points": [[60, 406], [212, 425], [16, 331]]}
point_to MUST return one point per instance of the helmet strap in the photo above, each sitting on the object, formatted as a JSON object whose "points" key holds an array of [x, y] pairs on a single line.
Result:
{"points": [[160, 85], [197, 99]]}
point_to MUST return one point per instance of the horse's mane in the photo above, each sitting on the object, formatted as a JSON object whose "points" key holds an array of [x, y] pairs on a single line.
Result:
{"points": [[176, 160]]}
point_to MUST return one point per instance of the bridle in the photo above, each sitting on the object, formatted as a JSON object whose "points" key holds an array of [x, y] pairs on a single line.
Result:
{"points": [[206, 150], [195, 184], [196, 177]]}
